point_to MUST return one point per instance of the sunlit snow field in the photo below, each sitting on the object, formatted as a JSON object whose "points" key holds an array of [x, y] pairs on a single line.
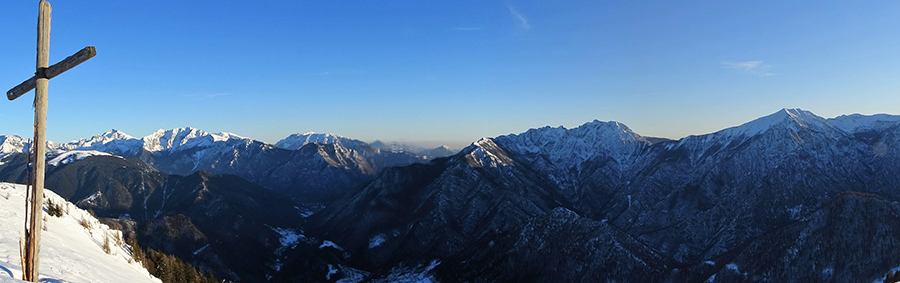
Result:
{"points": [[69, 251]]}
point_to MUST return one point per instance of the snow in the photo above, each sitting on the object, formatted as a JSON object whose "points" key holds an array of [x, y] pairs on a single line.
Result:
{"points": [[91, 198], [732, 267], [795, 211], [411, 275], [97, 141], [376, 241], [568, 149], [881, 279], [12, 144], [296, 141], [486, 153], [351, 275], [201, 249], [328, 243], [331, 271], [788, 117], [115, 142], [75, 155], [186, 137], [69, 252], [858, 123], [289, 238], [225, 136], [785, 121]]}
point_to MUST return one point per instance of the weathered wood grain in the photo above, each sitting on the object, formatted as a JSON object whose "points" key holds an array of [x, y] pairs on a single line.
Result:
{"points": [[70, 62]]}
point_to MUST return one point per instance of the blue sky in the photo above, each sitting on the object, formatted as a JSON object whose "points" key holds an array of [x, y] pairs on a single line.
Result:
{"points": [[450, 71]]}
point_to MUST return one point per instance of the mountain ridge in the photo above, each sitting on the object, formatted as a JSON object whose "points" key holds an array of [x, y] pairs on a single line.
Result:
{"points": [[689, 209], [691, 201]]}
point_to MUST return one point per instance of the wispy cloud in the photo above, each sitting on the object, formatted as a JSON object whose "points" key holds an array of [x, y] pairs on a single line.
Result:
{"points": [[523, 22], [463, 29], [752, 67]]}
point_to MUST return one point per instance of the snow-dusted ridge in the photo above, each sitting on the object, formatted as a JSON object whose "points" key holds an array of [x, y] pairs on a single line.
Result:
{"points": [[857, 123], [792, 118], [185, 138], [560, 150], [98, 140], [485, 152], [70, 252], [568, 148], [798, 118], [298, 140], [115, 142]]}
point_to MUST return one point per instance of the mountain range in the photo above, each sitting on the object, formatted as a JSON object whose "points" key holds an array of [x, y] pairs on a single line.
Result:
{"points": [[330, 165], [686, 210], [220, 201], [757, 202]]}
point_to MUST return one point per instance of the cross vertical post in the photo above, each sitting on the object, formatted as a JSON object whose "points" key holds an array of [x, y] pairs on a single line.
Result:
{"points": [[31, 249]]}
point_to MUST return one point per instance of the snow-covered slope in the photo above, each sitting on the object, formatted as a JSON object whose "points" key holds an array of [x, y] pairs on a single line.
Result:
{"points": [[69, 251], [74, 155]]}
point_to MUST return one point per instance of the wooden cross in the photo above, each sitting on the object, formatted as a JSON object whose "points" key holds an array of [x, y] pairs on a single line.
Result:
{"points": [[39, 83]]}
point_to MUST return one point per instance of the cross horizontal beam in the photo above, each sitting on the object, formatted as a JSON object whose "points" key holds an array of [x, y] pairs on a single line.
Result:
{"points": [[52, 71]]}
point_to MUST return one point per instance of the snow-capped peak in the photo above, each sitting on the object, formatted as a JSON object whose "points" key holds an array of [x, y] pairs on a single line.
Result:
{"points": [[166, 139], [12, 144], [296, 141], [792, 118], [114, 134], [568, 148], [184, 137], [486, 153]]}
